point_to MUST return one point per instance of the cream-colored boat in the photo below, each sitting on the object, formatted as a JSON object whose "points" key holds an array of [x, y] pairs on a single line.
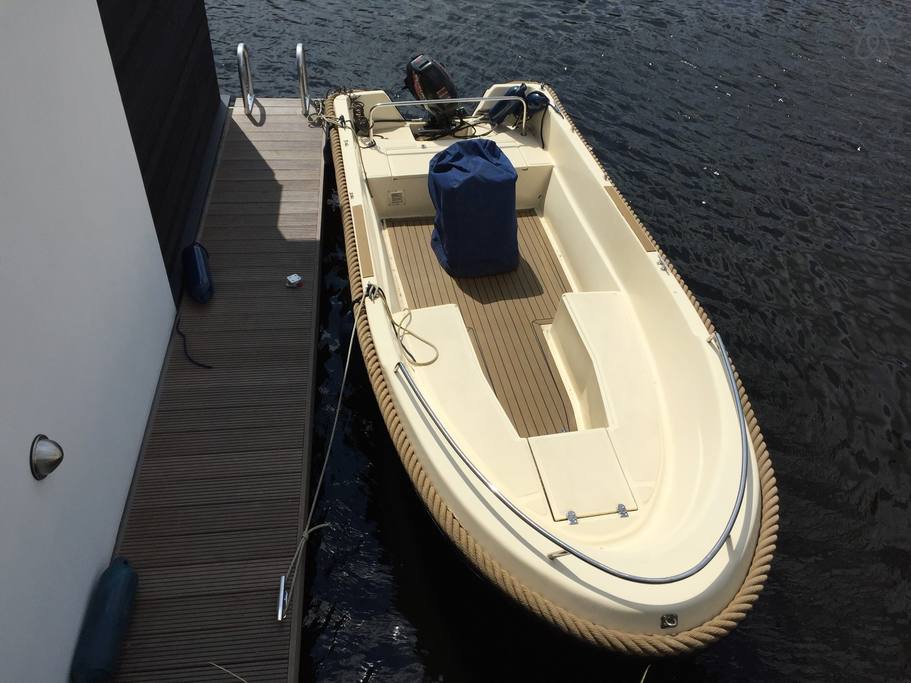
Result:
{"points": [[574, 425]]}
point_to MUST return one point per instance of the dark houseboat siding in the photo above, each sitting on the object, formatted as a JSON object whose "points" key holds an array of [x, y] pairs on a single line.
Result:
{"points": [[165, 70]]}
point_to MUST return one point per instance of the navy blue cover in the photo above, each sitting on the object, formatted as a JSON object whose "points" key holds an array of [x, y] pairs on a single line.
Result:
{"points": [[473, 187], [196, 277], [105, 624]]}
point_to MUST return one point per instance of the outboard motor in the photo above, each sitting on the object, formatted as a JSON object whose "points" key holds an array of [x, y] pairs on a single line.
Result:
{"points": [[427, 79]]}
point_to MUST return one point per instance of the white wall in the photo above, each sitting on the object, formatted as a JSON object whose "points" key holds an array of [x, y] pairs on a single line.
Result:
{"points": [[85, 315]]}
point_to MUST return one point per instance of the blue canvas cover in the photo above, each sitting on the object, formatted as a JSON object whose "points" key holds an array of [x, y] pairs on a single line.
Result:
{"points": [[473, 188]]}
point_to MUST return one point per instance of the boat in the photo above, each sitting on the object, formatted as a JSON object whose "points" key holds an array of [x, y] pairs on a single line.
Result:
{"points": [[575, 424]]}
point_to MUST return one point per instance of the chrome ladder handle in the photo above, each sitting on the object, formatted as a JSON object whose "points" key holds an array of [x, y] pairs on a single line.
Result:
{"points": [[402, 372], [302, 83], [456, 100], [246, 78]]}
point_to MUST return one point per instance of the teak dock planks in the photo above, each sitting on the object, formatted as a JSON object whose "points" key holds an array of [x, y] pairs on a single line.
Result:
{"points": [[220, 491]]}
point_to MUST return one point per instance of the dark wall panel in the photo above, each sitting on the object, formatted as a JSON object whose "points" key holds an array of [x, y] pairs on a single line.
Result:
{"points": [[163, 60]]}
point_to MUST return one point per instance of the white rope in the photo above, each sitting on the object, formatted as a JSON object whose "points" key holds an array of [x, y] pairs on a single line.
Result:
{"points": [[228, 671], [319, 117], [292, 567], [403, 331]]}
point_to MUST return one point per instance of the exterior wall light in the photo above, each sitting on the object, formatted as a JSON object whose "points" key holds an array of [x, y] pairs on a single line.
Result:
{"points": [[45, 456]]}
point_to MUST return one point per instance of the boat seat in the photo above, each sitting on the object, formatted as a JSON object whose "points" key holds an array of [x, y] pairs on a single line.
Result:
{"points": [[602, 355], [397, 167], [460, 394], [581, 474]]}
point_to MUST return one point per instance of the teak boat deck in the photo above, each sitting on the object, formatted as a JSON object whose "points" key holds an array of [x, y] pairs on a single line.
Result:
{"points": [[220, 490], [503, 313]]}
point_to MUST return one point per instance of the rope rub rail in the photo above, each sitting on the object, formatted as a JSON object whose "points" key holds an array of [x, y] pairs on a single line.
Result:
{"points": [[408, 381]]}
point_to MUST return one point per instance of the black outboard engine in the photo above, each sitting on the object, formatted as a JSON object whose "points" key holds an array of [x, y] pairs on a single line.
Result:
{"points": [[428, 80]]}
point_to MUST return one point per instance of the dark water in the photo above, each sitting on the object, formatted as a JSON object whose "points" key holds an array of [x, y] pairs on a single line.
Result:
{"points": [[768, 147]]}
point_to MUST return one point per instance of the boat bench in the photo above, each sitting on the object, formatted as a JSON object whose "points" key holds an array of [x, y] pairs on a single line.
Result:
{"points": [[457, 388], [398, 165], [598, 345]]}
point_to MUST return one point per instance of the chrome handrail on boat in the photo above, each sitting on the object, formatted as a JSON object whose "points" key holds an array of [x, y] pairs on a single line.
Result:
{"points": [[409, 382], [246, 78], [302, 84], [456, 100]]}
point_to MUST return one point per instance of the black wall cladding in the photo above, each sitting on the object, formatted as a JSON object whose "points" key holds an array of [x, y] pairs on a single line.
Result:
{"points": [[165, 70]]}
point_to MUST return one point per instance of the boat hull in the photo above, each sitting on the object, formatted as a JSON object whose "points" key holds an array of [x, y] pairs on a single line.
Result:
{"points": [[489, 554]]}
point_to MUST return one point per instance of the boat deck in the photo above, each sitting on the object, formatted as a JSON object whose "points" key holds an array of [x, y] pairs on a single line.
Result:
{"points": [[503, 313], [221, 488]]}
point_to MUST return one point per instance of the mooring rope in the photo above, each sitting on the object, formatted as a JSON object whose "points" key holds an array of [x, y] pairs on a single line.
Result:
{"points": [[402, 330], [301, 544]]}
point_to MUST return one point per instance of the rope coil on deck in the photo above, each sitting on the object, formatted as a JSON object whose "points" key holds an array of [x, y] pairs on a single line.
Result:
{"points": [[646, 645]]}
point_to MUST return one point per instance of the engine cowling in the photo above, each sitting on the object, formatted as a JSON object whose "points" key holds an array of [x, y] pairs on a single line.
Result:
{"points": [[427, 79]]}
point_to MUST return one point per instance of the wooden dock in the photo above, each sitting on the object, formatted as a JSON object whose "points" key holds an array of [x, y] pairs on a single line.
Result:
{"points": [[220, 491]]}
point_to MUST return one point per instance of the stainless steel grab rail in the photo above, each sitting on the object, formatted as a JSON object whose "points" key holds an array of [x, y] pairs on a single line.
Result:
{"points": [[246, 78], [402, 372], [302, 83], [457, 100]]}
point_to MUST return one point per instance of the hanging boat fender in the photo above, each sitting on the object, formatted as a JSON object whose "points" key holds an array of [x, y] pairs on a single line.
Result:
{"points": [[196, 276], [105, 624], [535, 101], [501, 110]]}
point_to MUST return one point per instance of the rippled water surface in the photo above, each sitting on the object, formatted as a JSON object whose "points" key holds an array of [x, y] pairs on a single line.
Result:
{"points": [[766, 145]]}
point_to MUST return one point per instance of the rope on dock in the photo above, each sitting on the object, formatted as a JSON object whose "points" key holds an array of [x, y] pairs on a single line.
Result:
{"points": [[639, 644]]}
